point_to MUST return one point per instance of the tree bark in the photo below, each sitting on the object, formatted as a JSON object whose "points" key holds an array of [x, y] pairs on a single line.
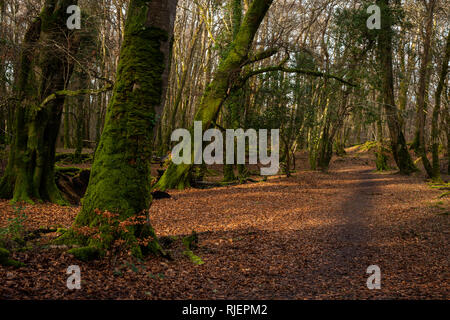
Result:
{"points": [[120, 176], [398, 142], [436, 174], [44, 69], [233, 105], [419, 144]]}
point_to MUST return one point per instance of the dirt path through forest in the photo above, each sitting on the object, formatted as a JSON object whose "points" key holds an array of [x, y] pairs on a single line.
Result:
{"points": [[314, 235], [347, 255]]}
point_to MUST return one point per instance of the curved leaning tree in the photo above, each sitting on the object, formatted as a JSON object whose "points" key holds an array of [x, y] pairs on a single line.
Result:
{"points": [[120, 175], [217, 92]]}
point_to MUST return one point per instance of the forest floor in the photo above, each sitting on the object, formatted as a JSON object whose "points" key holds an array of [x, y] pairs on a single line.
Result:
{"points": [[311, 236]]}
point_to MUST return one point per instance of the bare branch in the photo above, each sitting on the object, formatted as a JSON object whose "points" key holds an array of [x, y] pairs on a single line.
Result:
{"points": [[70, 93]]}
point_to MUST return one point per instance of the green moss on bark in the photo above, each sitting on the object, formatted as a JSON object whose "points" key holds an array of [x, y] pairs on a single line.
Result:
{"points": [[86, 253], [30, 173], [120, 176], [385, 35], [381, 161], [175, 177], [6, 261]]}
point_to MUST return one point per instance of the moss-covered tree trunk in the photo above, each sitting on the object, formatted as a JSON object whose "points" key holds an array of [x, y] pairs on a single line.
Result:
{"points": [[325, 149], [44, 69], [380, 152], [341, 140], [381, 158], [398, 142], [333, 124], [66, 124], [177, 176], [120, 175], [233, 104]]}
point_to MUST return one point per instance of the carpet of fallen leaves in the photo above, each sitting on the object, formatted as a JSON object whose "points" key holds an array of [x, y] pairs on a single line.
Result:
{"points": [[311, 236]]}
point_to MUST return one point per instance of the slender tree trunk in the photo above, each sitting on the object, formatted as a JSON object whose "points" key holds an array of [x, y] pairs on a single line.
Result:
{"points": [[447, 121], [66, 134], [419, 144], [325, 151], [406, 69], [436, 110], [330, 131], [179, 94], [381, 158], [81, 82]]}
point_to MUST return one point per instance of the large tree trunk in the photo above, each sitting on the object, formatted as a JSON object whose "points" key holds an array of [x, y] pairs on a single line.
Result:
{"points": [[120, 176], [177, 176], [419, 144], [398, 142], [381, 158], [44, 69]]}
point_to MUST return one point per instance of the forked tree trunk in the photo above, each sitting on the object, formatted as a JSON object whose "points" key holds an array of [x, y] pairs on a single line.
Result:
{"points": [[120, 176], [44, 69]]}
